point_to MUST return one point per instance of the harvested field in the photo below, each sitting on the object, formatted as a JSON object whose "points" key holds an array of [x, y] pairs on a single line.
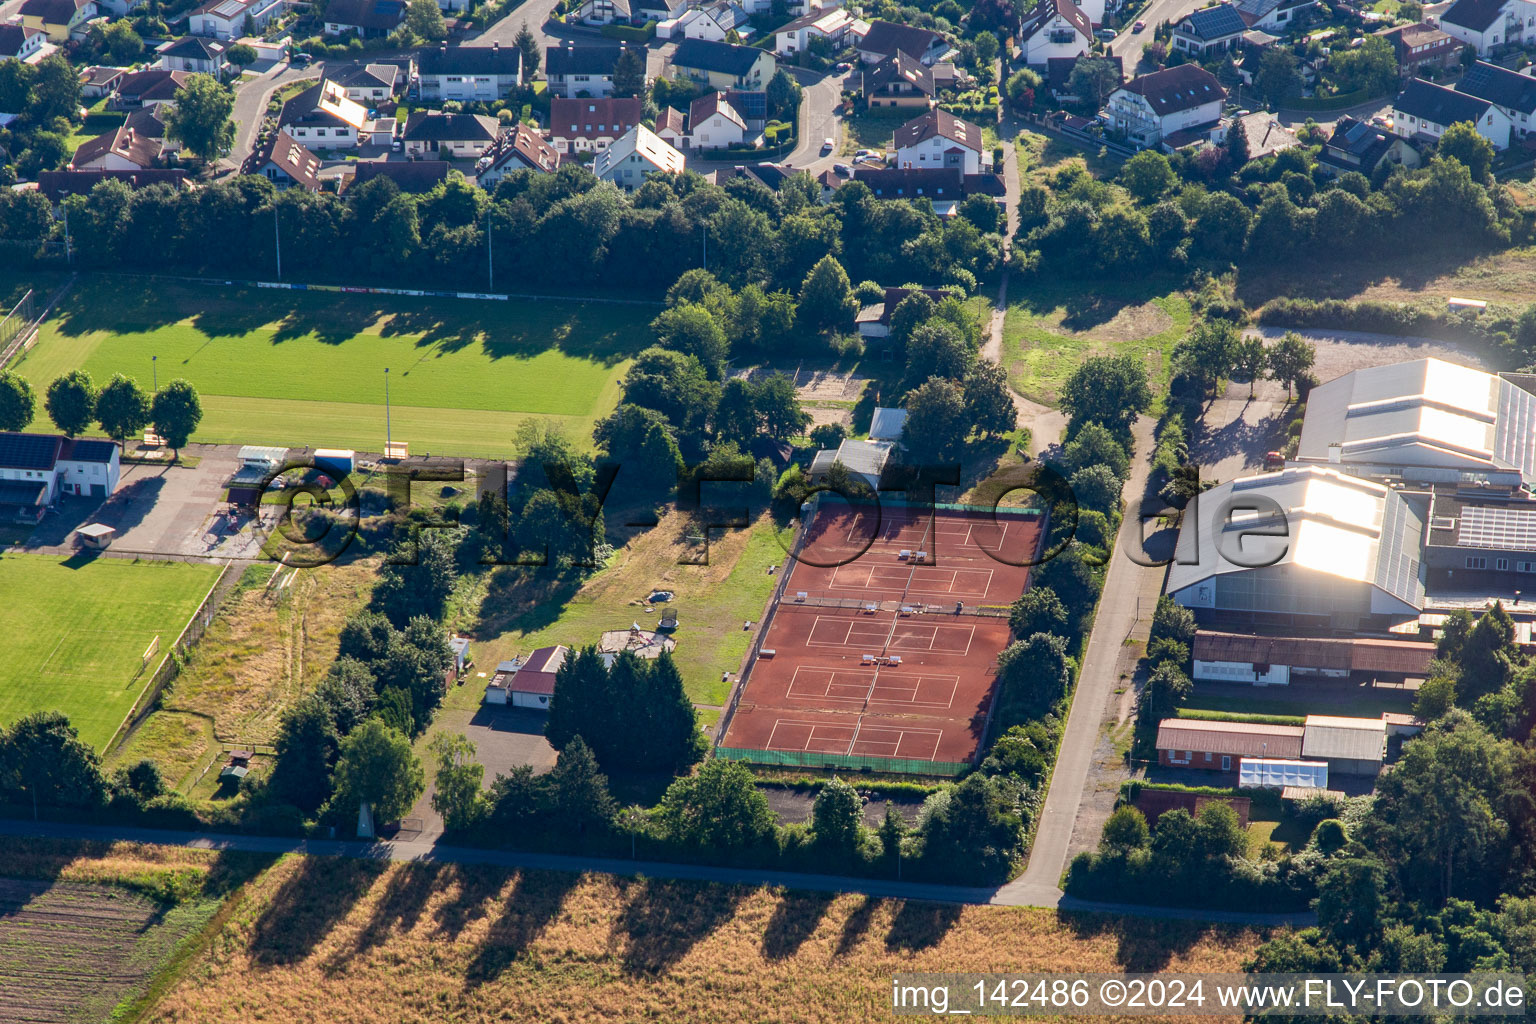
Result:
{"points": [[353, 941], [1424, 276]]}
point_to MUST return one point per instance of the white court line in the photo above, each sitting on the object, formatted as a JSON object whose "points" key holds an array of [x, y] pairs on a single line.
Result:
{"points": [[933, 639], [901, 736], [876, 637], [810, 737]]}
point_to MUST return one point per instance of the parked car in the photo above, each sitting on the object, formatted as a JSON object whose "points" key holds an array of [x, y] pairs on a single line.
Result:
{"points": [[301, 59], [1106, 34], [842, 170], [843, 68], [1140, 25], [826, 147], [868, 154]]}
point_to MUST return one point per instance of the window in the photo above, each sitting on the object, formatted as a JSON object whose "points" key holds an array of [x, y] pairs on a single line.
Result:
{"points": [[1476, 562], [1226, 763], [1525, 567], [1501, 564], [1209, 757]]}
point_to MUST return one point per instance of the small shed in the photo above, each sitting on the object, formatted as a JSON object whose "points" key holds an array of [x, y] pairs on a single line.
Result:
{"points": [[96, 536], [459, 645], [1350, 746], [265, 459], [527, 682], [1281, 773], [887, 424], [335, 462]]}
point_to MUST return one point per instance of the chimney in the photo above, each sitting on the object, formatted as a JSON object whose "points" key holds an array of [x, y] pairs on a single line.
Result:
{"points": [[443, 49], [495, 45]]}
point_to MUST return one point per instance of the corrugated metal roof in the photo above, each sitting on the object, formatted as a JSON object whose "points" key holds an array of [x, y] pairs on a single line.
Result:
{"points": [[867, 458], [888, 424], [1246, 739], [1356, 739], [1404, 657], [1280, 773]]}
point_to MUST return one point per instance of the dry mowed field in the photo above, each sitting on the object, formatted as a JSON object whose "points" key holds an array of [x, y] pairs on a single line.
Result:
{"points": [[339, 941]]}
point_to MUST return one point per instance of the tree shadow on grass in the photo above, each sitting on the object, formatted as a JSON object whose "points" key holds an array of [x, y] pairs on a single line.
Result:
{"points": [[535, 901], [856, 925], [794, 920], [1145, 944], [525, 598], [921, 925], [662, 921], [405, 897], [471, 899], [308, 905]]}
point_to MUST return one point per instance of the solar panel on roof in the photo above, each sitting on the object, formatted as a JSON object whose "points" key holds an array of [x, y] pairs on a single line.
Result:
{"points": [[1508, 528]]}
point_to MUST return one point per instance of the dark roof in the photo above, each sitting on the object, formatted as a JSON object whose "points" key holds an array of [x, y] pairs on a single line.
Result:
{"points": [[1046, 10], [708, 55], [1365, 143], [579, 119], [86, 450], [1476, 15], [25, 493], [581, 60], [1437, 104], [1499, 86], [382, 15], [55, 185], [769, 175], [354, 76], [1058, 72], [146, 121], [1212, 23], [157, 83], [941, 123], [985, 184], [470, 60], [194, 48], [291, 157], [887, 37], [53, 12], [900, 67], [411, 176], [430, 126], [12, 37], [912, 182], [1175, 89], [519, 144], [29, 451]]}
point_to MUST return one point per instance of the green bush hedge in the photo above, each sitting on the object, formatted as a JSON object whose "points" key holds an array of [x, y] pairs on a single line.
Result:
{"points": [[631, 33], [1201, 715], [1336, 102]]}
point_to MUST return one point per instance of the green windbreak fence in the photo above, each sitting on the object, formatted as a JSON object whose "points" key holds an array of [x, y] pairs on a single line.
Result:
{"points": [[812, 759]]}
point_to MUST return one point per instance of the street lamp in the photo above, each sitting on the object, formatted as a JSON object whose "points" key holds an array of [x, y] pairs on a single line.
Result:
{"points": [[154, 367], [387, 444]]}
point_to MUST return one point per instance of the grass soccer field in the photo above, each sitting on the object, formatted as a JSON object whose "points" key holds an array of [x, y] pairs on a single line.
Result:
{"points": [[307, 368], [75, 633]]}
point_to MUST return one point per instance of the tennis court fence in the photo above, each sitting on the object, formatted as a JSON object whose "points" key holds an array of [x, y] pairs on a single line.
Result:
{"points": [[813, 759]]}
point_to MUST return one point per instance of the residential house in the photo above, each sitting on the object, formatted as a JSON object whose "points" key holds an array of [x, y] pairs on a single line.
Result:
{"points": [[573, 71], [1209, 30], [56, 185], [864, 460], [637, 153], [1513, 93], [527, 682], [714, 21], [470, 72], [1274, 15], [1166, 107], [1424, 111], [368, 84], [723, 65], [834, 24], [1055, 29], [1357, 146], [20, 41], [367, 19], [672, 127], [1219, 746], [887, 38], [1306, 546], [414, 176], [714, 124], [284, 160], [121, 149], [1058, 78], [148, 122], [900, 80], [943, 187], [57, 19], [643, 11], [1349, 746], [1486, 24], [769, 175], [37, 469], [604, 12], [517, 147], [147, 88], [429, 133], [1276, 660], [194, 55], [874, 321], [591, 126], [232, 19], [97, 81], [752, 105], [322, 117], [938, 138], [1422, 47]]}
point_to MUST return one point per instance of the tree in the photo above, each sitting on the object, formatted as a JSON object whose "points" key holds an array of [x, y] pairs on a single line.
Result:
{"points": [[1352, 900], [1278, 77], [43, 762], [201, 118], [893, 829], [629, 73], [17, 402], [1111, 390], [977, 831], [1033, 674], [425, 20], [1094, 445], [1290, 360], [778, 404], [142, 780], [306, 748], [1097, 488], [578, 791], [1435, 697], [641, 441], [1147, 176], [1094, 79], [71, 402], [16, 78], [55, 90], [1126, 830], [121, 43], [1462, 143], [826, 299], [1370, 67], [456, 791], [719, 807], [1038, 610], [783, 96], [1221, 227], [1207, 354], [988, 399], [377, 769], [1249, 358], [936, 349], [1218, 832], [241, 55], [1166, 689], [122, 409], [667, 724], [176, 411], [936, 424], [1021, 88], [690, 329], [528, 43], [837, 816]]}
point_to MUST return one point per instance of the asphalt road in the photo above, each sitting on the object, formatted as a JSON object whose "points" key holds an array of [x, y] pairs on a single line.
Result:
{"points": [[428, 852], [819, 96], [1127, 45], [251, 103]]}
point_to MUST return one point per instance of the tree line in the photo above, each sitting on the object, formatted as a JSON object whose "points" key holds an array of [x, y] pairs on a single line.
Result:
{"points": [[120, 407]]}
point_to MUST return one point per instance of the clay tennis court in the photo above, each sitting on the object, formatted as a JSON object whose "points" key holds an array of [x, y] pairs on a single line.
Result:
{"points": [[865, 657]]}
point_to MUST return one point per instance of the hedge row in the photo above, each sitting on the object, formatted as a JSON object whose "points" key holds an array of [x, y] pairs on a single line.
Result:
{"points": [[1201, 715]]}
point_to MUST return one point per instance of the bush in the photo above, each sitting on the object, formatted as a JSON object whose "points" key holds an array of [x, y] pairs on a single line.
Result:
{"points": [[631, 33]]}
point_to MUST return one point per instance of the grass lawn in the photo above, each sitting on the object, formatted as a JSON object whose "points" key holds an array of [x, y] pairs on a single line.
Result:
{"points": [[1040, 155], [76, 629], [98, 121], [1050, 328], [874, 129], [1364, 704], [523, 611], [292, 369], [333, 939]]}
